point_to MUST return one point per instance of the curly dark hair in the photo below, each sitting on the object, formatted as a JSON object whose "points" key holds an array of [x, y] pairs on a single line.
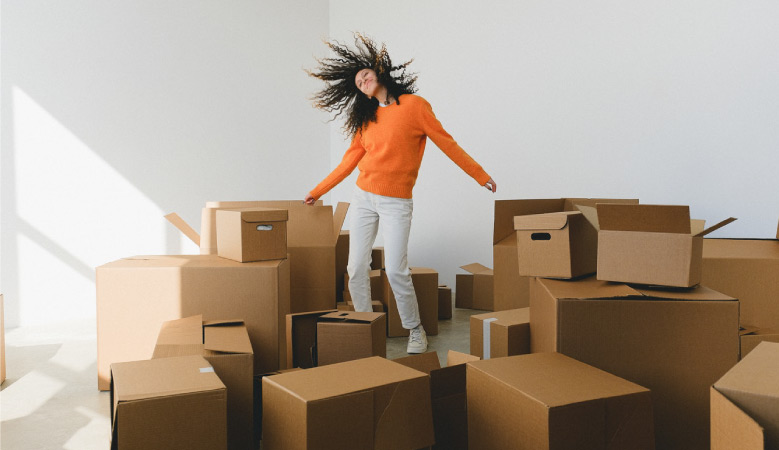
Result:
{"points": [[341, 94]]}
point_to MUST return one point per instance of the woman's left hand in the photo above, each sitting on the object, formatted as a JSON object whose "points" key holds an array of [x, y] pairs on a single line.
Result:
{"points": [[491, 185]]}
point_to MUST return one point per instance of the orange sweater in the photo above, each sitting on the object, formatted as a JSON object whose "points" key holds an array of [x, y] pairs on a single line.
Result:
{"points": [[389, 151]]}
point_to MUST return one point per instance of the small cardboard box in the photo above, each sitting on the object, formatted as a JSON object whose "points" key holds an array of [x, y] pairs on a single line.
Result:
{"points": [[301, 339], [548, 400], [252, 234], [377, 288], [501, 333], [557, 245], [474, 290], [369, 403], [346, 335], [444, 302], [650, 244], [745, 403], [167, 403], [426, 288], [2, 342], [226, 346], [751, 337], [341, 261], [447, 391], [349, 306]]}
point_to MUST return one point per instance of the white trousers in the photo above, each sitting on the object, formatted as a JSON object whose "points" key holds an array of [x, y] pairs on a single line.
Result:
{"points": [[366, 210]]}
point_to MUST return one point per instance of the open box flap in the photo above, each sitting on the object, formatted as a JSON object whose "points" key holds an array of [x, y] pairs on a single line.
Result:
{"points": [[186, 331], [227, 339], [548, 221], [644, 218], [716, 226], [184, 227], [454, 358]]}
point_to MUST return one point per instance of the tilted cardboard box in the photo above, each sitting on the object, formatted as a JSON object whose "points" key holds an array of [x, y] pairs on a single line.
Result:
{"points": [[369, 403], [558, 245], [168, 403], [444, 302], [674, 342], [745, 403], [474, 290], [301, 339], [426, 288], [252, 234], [136, 295], [500, 333], [226, 346], [548, 400], [344, 336]]}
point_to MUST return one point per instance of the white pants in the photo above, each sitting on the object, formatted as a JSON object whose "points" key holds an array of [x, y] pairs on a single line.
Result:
{"points": [[366, 211]]}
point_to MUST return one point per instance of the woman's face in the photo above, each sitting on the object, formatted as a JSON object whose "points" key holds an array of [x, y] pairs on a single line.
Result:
{"points": [[367, 82]]}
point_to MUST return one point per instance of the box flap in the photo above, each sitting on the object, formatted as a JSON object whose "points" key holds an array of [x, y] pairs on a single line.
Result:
{"points": [[220, 323], [731, 427], [645, 218], [424, 362], [701, 293], [697, 226], [186, 331], [588, 288], [228, 339], [505, 210], [454, 358], [338, 219], [589, 213], [163, 377], [548, 221], [184, 227], [350, 316], [744, 330], [716, 226], [476, 268]]}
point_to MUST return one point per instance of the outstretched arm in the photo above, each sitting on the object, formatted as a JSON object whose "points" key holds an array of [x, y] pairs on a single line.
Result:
{"points": [[353, 155]]}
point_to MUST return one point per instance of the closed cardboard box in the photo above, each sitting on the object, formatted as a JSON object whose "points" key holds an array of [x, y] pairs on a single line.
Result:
{"points": [[550, 401], [444, 302], [369, 403], [557, 245], [226, 346], [674, 342], [474, 290], [426, 288], [501, 333], [168, 403], [136, 295], [252, 234], [344, 336]]}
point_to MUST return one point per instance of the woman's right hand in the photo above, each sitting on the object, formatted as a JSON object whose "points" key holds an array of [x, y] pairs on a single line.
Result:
{"points": [[309, 200]]}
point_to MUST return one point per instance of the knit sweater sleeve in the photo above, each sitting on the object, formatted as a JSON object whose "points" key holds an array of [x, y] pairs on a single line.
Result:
{"points": [[443, 140], [353, 155]]}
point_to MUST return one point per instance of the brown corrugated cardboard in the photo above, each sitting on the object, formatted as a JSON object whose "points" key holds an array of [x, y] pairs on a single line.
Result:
{"points": [[252, 234], [649, 244], [377, 305], [474, 290], [377, 288], [732, 428], [555, 402], [426, 288], [341, 261], [226, 346], [344, 336], [369, 403], [751, 386], [674, 342], [559, 245], [377, 258], [167, 403], [745, 269], [753, 336], [444, 302], [135, 295], [2, 342], [301, 339], [501, 333]]}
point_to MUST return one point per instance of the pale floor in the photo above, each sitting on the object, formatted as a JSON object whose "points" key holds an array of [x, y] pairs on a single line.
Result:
{"points": [[50, 398]]}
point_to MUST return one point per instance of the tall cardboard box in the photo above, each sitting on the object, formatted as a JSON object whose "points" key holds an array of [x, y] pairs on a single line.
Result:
{"points": [[252, 234], [501, 333], [369, 403], [474, 290], [343, 336], [557, 245], [550, 401], [136, 295], [745, 403], [226, 346], [2, 341], [674, 342], [426, 288], [512, 291], [341, 261], [168, 403], [444, 302]]}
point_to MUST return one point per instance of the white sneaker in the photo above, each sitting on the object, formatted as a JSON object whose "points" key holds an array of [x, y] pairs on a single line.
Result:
{"points": [[417, 340]]}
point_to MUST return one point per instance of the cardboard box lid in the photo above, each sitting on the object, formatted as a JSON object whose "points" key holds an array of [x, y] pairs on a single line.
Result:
{"points": [[477, 269], [548, 221], [755, 374], [506, 317], [163, 377], [351, 317], [259, 214], [225, 336], [185, 261], [423, 362], [652, 219], [592, 288], [454, 358]]}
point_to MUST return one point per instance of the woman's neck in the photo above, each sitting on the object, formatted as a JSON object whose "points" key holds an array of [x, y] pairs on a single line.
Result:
{"points": [[383, 96]]}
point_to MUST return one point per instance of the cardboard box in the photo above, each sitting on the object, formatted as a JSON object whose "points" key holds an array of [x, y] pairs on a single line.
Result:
{"points": [[377, 258], [341, 261], [252, 234], [745, 403], [301, 339], [167, 403], [344, 336], [745, 269], [2, 341], [558, 245], [511, 290], [547, 400], [501, 333], [226, 346], [650, 245], [377, 305], [426, 288], [377, 288], [136, 295], [751, 337], [474, 290], [365, 403], [674, 342], [444, 302], [447, 391]]}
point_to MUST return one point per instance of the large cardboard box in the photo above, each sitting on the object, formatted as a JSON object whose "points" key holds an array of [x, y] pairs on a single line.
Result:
{"points": [[252, 234], [746, 269], [512, 290], [226, 346], [168, 403], [301, 339], [550, 401], [674, 342], [447, 392], [745, 403], [341, 261], [444, 302], [474, 290], [500, 333], [369, 403], [346, 335], [559, 245], [426, 288], [136, 295], [2, 341], [650, 244]]}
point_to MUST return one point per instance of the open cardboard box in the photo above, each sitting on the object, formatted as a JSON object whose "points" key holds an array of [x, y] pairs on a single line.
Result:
{"points": [[301, 339]]}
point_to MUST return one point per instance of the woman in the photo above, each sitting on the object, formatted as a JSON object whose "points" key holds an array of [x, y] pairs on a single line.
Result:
{"points": [[389, 127]]}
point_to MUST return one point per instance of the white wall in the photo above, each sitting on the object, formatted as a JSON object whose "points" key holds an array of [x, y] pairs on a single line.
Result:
{"points": [[116, 113]]}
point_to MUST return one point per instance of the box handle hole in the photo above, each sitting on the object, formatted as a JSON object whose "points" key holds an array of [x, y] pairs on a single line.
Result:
{"points": [[264, 227], [540, 236]]}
